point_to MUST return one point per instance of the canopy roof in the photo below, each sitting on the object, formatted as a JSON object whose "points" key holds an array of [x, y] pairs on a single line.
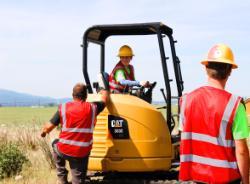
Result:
{"points": [[99, 33]]}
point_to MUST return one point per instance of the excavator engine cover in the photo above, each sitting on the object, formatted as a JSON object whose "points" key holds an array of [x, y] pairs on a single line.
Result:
{"points": [[130, 135]]}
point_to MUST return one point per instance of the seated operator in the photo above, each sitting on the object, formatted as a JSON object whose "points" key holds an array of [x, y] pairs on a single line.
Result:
{"points": [[122, 77]]}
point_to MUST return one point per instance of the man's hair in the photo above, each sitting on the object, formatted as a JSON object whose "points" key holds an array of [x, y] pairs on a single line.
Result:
{"points": [[219, 71], [80, 91]]}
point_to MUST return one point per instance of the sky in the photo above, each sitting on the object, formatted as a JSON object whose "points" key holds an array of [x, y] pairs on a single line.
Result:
{"points": [[40, 40]]}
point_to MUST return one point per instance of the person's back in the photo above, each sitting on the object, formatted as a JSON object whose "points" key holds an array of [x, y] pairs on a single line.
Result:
{"points": [[207, 104], [214, 127], [207, 139], [78, 120]]}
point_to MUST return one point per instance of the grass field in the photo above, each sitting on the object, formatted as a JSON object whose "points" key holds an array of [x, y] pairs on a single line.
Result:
{"points": [[23, 125], [27, 116]]}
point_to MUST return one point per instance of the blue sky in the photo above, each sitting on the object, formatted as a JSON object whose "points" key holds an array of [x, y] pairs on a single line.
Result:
{"points": [[40, 41]]}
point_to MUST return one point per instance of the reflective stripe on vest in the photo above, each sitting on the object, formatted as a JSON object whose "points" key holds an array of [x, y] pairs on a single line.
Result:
{"points": [[76, 143], [77, 130], [208, 161], [207, 138], [93, 107], [63, 109], [115, 91], [221, 140], [115, 85], [227, 114], [183, 104]]}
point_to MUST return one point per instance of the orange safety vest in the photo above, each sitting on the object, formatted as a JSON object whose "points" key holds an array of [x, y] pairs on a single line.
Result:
{"points": [[115, 86], [78, 120], [207, 151]]}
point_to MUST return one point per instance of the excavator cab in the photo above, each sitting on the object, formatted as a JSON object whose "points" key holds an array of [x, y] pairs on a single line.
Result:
{"points": [[132, 134]]}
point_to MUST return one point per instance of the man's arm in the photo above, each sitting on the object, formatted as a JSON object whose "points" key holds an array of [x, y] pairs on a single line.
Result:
{"points": [[104, 96], [48, 127], [121, 78], [240, 133], [242, 156], [102, 102]]}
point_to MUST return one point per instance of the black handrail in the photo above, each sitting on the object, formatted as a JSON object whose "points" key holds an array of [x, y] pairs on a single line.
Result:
{"points": [[166, 78]]}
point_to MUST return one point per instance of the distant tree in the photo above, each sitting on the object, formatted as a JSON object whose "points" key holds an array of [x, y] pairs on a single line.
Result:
{"points": [[51, 104]]}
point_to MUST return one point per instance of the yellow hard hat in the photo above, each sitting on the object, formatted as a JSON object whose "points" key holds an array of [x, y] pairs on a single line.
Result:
{"points": [[125, 50], [220, 53]]}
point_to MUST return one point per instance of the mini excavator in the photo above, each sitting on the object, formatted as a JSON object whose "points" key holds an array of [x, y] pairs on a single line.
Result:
{"points": [[132, 135]]}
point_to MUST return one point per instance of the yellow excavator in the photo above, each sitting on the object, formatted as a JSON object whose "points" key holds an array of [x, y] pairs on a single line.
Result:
{"points": [[132, 135]]}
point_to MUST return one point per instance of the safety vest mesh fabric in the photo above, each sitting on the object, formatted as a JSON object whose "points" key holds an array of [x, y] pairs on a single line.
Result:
{"points": [[207, 151], [78, 121], [115, 86]]}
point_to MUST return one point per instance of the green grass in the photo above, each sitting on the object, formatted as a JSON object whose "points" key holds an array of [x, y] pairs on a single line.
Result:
{"points": [[22, 125], [13, 116]]}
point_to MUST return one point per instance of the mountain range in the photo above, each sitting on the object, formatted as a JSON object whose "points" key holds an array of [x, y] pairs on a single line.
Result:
{"points": [[13, 98]]}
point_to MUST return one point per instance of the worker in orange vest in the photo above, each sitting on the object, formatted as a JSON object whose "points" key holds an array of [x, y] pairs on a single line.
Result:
{"points": [[77, 119], [214, 127]]}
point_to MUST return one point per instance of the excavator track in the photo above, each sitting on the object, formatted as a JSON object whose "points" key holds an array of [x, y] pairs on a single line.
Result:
{"points": [[160, 177]]}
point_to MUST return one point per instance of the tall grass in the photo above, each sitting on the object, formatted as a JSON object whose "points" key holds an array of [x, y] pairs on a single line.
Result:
{"points": [[3, 137], [47, 152], [38, 151], [22, 126], [28, 138]]}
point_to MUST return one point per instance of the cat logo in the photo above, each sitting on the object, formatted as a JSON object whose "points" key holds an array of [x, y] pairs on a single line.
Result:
{"points": [[116, 123], [118, 127]]}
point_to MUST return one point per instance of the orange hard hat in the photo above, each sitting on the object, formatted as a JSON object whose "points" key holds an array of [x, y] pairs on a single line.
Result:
{"points": [[220, 53], [125, 50]]}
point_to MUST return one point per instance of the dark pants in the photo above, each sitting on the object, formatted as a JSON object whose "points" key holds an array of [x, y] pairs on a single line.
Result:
{"points": [[78, 166]]}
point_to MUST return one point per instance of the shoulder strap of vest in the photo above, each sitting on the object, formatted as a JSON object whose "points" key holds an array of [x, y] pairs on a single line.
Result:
{"points": [[131, 75], [229, 112], [63, 114], [94, 112], [182, 109], [118, 66]]}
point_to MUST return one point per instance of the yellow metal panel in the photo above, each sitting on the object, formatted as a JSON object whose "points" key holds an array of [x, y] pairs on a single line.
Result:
{"points": [[130, 165], [149, 145]]}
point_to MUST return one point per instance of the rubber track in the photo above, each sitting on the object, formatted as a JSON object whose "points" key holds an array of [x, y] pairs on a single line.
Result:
{"points": [[134, 178]]}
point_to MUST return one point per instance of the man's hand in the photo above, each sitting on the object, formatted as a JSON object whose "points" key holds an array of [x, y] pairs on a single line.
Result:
{"points": [[145, 83], [43, 134], [47, 128], [104, 96]]}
